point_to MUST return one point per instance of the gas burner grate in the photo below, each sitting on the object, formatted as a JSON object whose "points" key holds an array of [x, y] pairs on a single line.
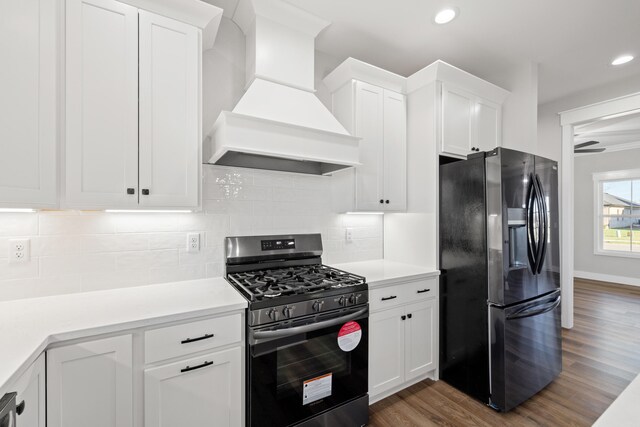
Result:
{"points": [[272, 283]]}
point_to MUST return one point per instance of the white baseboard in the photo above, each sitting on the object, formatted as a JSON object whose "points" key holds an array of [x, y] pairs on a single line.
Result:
{"points": [[633, 281]]}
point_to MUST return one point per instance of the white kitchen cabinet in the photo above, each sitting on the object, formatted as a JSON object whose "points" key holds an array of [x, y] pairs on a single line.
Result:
{"points": [[197, 392], [31, 398], [386, 350], [132, 108], [376, 113], [169, 112], [91, 384], [469, 122], [28, 103], [101, 104], [402, 336], [419, 335]]}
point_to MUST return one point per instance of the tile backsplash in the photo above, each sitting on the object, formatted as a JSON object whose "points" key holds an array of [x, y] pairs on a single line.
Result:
{"points": [[80, 251]]}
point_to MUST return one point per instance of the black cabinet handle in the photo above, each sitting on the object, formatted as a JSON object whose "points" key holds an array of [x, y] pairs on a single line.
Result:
{"points": [[388, 298], [131, 191], [204, 337], [20, 408], [422, 291], [386, 201], [381, 201], [145, 191], [403, 317], [193, 368], [409, 315]]}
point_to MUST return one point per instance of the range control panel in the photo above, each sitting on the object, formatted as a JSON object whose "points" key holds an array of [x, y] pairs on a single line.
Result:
{"points": [[270, 245]]}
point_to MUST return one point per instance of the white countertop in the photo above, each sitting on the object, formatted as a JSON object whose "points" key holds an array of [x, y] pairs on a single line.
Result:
{"points": [[382, 272], [624, 411], [29, 326]]}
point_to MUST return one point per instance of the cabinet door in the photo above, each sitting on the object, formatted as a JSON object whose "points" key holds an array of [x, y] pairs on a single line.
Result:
{"points": [[91, 384], [488, 125], [31, 394], [457, 118], [395, 151], [169, 112], [199, 392], [102, 104], [28, 131], [386, 350], [420, 338], [370, 127]]}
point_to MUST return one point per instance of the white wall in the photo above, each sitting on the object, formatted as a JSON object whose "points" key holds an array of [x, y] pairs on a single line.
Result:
{"points": [[549, 130], [599, 267], [83, 251]]}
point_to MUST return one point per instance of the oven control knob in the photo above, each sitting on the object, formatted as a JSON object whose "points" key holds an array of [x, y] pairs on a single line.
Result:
{"points": [[353, 299], [287, 311], [343, 301], [273, 314], [317, 305]]}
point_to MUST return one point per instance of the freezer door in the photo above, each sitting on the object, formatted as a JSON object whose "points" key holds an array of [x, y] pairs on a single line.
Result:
{"points": [[548, 266], [526, 349], [511, 273]]}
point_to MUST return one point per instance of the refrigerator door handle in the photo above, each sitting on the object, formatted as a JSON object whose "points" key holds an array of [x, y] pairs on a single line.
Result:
{"points": [[544, 224], [528, 312], [532, 249]]}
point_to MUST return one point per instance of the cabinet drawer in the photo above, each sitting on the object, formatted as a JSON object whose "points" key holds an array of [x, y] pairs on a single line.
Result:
{"points": [[387, 297], [394, 295], [421, 289], [187, 338]]}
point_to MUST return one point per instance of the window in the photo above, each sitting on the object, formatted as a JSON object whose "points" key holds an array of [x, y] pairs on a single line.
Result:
{"points": [[617, 213]]}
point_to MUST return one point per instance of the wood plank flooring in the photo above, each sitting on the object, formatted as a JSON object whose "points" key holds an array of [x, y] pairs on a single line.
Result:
{"points": [[601, 355]]}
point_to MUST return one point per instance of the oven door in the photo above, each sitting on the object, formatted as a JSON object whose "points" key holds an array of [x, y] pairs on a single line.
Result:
{"points": [[302, 368]]}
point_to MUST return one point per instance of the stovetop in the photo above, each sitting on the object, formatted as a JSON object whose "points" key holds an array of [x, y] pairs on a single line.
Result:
{"points": [[275, 283]]}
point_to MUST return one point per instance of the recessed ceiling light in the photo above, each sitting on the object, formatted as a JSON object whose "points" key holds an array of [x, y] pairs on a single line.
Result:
{"points": [[445, 16], [623, 59]]}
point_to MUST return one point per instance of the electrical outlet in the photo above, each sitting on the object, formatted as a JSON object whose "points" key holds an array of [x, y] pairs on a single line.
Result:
{"points": [[193, 242], [19, 250], [348, 234]]}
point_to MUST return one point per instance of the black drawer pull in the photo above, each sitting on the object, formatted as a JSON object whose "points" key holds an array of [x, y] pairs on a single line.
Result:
{"points": [[193, 368], [131, 191], [388, 298], [409, 315], [145, 191], [204, 337], [20, 408], [422, 291]]}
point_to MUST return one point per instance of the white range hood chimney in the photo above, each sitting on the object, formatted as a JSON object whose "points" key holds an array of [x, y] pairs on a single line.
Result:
{"points": [[279, 123]]}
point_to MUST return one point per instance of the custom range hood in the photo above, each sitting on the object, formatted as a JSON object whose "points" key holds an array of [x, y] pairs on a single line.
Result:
{"points": [[279, 123]]}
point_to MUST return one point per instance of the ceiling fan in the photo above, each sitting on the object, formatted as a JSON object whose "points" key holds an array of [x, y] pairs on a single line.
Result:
{"points": [[580, 148]]}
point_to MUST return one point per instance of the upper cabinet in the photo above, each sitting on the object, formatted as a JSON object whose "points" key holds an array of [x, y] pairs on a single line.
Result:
{"points": [[469, 122], [28, 103], [467, 111], [370, 104], [133, 108]]}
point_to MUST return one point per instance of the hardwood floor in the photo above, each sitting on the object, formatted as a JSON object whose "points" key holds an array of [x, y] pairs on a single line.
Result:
{"points": [[601, 355]]}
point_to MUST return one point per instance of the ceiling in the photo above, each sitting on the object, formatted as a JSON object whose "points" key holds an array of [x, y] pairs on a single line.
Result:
{"points": [[615, 133], [573, 41]]}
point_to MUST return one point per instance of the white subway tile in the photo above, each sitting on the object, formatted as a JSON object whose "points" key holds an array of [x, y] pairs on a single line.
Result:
{"points": [[76, 224], [18, 224], [147, 259], [145, 222], [183, 272], [123, 279], [21, 270], [51, 266], [168, 240], [115, 242]]}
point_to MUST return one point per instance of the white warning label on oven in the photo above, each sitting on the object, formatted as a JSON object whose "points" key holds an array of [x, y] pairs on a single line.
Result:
{"points": [[316, 388], [349, 336]]}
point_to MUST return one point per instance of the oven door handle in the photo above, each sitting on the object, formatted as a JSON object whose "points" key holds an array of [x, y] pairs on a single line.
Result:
{"points": [[286, 332]]}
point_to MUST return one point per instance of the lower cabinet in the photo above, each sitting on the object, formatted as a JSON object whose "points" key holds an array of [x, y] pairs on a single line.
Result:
{"points": [[31, 398], [402, 346], [196, 392], [91, 384], [197, 382]]}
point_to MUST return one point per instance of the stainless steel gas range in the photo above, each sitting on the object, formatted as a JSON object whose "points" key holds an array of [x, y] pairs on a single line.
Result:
{"points": [[307, 333]]}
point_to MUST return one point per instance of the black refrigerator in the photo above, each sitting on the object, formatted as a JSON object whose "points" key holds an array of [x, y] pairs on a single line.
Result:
{"points": [[500, 333]]}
